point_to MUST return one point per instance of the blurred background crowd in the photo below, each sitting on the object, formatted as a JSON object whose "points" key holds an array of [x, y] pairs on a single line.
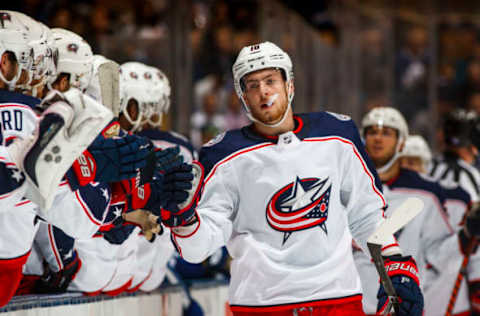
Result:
{"points": [[422, 57]]}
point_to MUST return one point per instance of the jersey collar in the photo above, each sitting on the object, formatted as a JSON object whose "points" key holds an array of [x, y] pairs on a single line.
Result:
{"points": [[300, 130]]}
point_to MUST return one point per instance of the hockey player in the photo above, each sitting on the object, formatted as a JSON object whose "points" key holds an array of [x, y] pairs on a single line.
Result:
{"points": [[285, 195], [416, 154], [455, 168], [439, 281], [429, 235]]}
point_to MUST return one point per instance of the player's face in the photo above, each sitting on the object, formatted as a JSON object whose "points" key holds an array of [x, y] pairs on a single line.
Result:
{"points": [[132, 109], [8, 66], [260, 87], [380, 143], [412, 163]]}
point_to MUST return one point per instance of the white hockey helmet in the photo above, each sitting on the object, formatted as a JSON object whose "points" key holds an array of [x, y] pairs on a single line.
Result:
{"points": [[14, 38], [105, 84], [416, 146], [389, 117], [161, 91], [41, 41], [133, 86], [257, 57], [75, 57]]}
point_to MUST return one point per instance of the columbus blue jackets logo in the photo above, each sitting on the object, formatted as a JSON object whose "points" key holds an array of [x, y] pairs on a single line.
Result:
{"points": [[4, 16], [72, 47], [301, 204]]}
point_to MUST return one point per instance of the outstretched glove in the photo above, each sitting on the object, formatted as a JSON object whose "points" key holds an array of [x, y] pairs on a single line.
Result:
{"points": [[182, 197], [171, 186], [112, 159], [118, 234], [170, 177], [403, 272]]}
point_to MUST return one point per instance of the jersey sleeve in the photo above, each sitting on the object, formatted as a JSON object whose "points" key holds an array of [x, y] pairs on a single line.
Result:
{"points": [[79, 213], [214, 212], [361, 193], [12, 184]]}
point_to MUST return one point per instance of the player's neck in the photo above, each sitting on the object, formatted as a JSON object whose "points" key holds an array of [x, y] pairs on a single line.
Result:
{"points": [[467, 154], [391, 173], [287, 125]]}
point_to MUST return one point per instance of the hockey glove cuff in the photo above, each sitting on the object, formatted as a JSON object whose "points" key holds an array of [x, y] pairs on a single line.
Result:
{"points": [[179, 210], [403, 272]]}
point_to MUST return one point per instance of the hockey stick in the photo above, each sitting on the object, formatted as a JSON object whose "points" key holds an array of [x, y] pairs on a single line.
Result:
{"points": [[399, 218], [461, 274]]}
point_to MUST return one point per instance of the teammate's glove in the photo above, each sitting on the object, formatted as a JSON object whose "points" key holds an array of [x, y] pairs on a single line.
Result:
{"points": [[57, 282], [179, 210], [160, 161], [117, 235], [165, 188], [404, 274], [112, 159], [168, 159]]}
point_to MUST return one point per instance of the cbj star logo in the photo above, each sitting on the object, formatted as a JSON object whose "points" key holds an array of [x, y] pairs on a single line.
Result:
{"points": [[301, 204]]}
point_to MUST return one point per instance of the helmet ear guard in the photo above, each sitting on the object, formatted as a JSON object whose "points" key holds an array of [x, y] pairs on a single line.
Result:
{"points": [[75, 57]]}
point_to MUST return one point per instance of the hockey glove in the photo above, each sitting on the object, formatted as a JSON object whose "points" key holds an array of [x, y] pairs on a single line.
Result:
{"points": [[160, 161], [179, 210], [118, 234], [112, 159], [168, 159], [164, 188], [58, 282], [404, 274]]}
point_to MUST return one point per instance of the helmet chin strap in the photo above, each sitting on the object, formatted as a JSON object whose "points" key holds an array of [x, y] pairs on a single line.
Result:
{"points": [[284, 116], [392, 160], [12, 83]]}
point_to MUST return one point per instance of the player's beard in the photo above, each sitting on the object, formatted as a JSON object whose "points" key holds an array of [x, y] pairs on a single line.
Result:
{"points": [[273, 115]]}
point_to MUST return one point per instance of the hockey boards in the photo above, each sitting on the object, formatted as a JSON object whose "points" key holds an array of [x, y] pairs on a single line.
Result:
{"points": [[399, 218]]}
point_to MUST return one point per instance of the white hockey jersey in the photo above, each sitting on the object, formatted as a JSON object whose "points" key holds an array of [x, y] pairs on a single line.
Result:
{"points": [[78, 213], [286, 209]]}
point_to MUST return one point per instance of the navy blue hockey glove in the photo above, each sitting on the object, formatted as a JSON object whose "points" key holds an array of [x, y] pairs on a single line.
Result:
{"points": [[160, 161], [112, 159], [168, 159], [404, 274], [182, 199], [168, 187], [118, 234], [58, 282]]}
